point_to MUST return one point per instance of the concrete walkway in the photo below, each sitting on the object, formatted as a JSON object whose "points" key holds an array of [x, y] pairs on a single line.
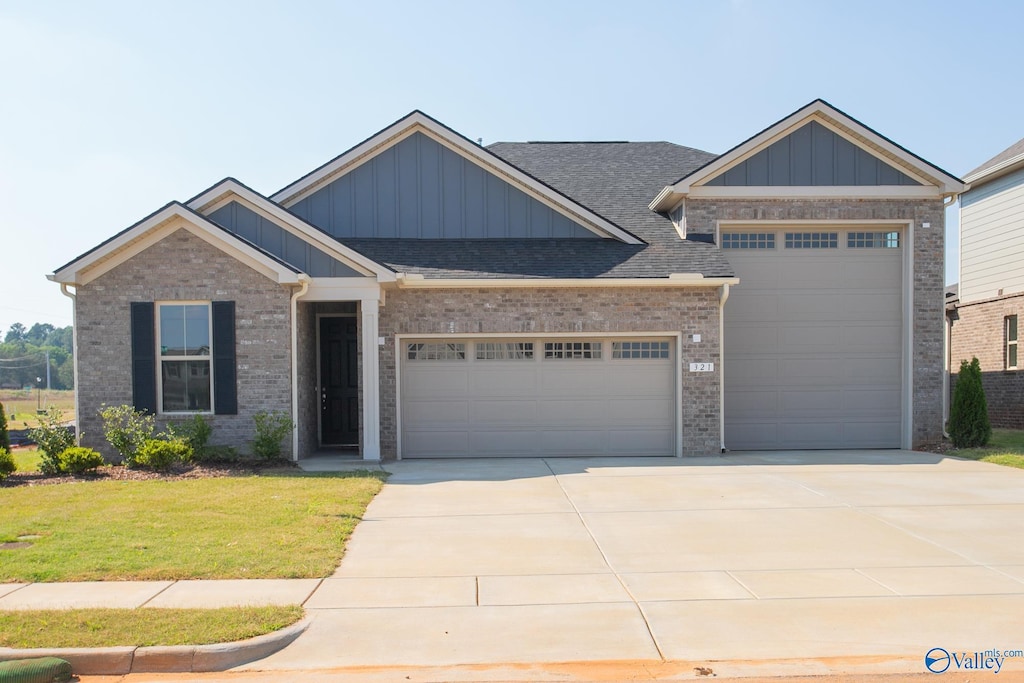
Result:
{"points": [[882, 554], [835, 559]]}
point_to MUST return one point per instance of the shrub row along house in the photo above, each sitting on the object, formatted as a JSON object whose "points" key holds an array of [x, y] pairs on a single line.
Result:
{"points": [[421, 295], [983, 312]]}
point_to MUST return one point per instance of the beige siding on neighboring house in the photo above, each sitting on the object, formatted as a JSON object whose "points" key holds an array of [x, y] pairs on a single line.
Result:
{"points": [[992, 239]]}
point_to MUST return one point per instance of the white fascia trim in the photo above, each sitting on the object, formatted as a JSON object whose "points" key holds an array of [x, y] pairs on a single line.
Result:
{"points": [[993, 172], [822, 113], [229, 190], [419, 123], [156, 228], [417, 281], [816, 192], [342, 289]]}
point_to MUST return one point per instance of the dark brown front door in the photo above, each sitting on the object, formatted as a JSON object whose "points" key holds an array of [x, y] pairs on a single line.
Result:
{"points": [[339, 391]]}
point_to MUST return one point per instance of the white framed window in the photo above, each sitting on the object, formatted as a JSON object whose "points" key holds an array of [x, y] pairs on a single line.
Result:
{"points": [[504, 350], [184, 351], [640, 349], [812, 240], [574, 350], [436, 351], [748, 240], [873, 240], [1011, 342]]}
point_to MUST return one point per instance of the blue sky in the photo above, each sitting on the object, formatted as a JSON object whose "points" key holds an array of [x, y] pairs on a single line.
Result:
{"points": [[111, 109]]}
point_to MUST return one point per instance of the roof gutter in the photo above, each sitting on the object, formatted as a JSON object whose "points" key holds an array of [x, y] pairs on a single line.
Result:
{"points": [[418, 281]]}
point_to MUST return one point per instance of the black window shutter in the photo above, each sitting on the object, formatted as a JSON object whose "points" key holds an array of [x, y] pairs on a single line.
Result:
{"points": [[225, 390], [143, 357]]}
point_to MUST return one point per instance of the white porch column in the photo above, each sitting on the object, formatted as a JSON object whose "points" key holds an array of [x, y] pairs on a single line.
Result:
{"points": [[368, 311]]}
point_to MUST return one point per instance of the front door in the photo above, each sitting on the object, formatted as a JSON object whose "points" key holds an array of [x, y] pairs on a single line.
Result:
{"points": [[339, 386]]}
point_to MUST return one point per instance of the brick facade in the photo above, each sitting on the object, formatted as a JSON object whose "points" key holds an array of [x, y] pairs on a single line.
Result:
{"points": [[183, 267], [704, 215], [977, 329], [582, 310]]}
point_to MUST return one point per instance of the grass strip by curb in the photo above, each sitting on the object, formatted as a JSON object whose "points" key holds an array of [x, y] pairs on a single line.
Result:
{"points": [[141, 627]]}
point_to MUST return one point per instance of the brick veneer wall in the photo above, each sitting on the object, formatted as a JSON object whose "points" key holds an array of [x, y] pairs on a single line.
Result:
{"points": [[703, 216], [977, 330], [183, 267], [584, 311]]}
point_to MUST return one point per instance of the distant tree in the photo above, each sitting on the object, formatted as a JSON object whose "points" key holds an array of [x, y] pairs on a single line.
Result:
{"points": [[61, 337], [38, 333], [16, 333], [969, 426], [5, 437]]}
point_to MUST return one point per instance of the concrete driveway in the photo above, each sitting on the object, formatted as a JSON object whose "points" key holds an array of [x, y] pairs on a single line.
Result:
{"points": [[879, 555]]}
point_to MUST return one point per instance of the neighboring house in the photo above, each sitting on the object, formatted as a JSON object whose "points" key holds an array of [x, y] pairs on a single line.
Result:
{"points": [[424, 296], [984, 318]]}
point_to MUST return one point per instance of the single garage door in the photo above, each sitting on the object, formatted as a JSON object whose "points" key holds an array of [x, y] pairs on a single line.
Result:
{"points": [[813, 338], [537, 397]]}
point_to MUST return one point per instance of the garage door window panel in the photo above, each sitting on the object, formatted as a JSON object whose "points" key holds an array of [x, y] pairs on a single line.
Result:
{"points": [[504, 351], [812, 240], [572, 350], [873, 240], [748, 240], [431, 351], [639, 349]]}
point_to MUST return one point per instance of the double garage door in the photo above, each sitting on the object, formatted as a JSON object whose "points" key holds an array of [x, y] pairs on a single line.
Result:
{"points": [[480, 397], [813, 339]]}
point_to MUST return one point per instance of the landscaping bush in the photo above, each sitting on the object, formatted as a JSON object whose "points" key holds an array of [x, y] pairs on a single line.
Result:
{"points": [[968, 416], [7, 465], [196, 432], [78, 460], [127, 429], [53, 438], [5, 437], [217, 454], [162, 454], [271, 429]]}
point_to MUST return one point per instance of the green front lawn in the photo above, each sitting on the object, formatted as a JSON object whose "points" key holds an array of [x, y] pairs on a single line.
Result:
{"points": [[281, 525], [1005, 448], [26, 459], [141, 627]]}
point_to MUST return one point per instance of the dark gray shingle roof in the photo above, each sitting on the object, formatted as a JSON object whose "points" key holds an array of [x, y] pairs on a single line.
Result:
{"points": [[1016, 149], [543, 258]]}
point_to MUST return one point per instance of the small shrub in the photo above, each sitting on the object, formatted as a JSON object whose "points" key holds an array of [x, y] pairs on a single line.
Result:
{"points": [[5, 437], [7, 465], [271, 429], [126, 429], [196, 431], [162, 454], [218, 453], [969, 426], [53, 438], [78, 460]]}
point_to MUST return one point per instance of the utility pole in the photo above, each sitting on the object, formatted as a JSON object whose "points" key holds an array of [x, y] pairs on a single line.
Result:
{"points": [[47, 369]]}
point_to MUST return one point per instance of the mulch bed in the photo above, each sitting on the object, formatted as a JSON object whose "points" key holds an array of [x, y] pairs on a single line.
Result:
{"points": [[118, 473]]}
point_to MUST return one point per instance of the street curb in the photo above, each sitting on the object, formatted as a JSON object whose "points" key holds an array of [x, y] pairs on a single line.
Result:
{"points": [[118, 661]]}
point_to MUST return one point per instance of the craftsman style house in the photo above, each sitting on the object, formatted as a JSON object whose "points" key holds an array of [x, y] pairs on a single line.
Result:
{"points": [[421, 295]]}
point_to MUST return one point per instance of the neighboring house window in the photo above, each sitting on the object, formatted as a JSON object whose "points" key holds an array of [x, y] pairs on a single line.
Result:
{"points": [[504, 351], [812, 240], [640, 349], [748, 240], [873, 240], [186, 358], [439, 351], [1011, 342], [573, 350]]}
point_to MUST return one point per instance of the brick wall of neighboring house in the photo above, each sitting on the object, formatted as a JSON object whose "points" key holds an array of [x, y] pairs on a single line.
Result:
{"points": [[584, 311], [703, 216], [183, 267], [978, 330]]}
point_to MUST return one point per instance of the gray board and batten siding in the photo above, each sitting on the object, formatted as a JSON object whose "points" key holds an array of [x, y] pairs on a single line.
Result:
{"points": [[812, 155], [271, 237], [992, 238], [419, 189]]}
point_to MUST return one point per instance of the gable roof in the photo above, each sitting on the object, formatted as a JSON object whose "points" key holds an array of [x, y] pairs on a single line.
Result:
{"points": [[1007, 161], [938, 182], [229, 190], [159, 224], [417, 121]]}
